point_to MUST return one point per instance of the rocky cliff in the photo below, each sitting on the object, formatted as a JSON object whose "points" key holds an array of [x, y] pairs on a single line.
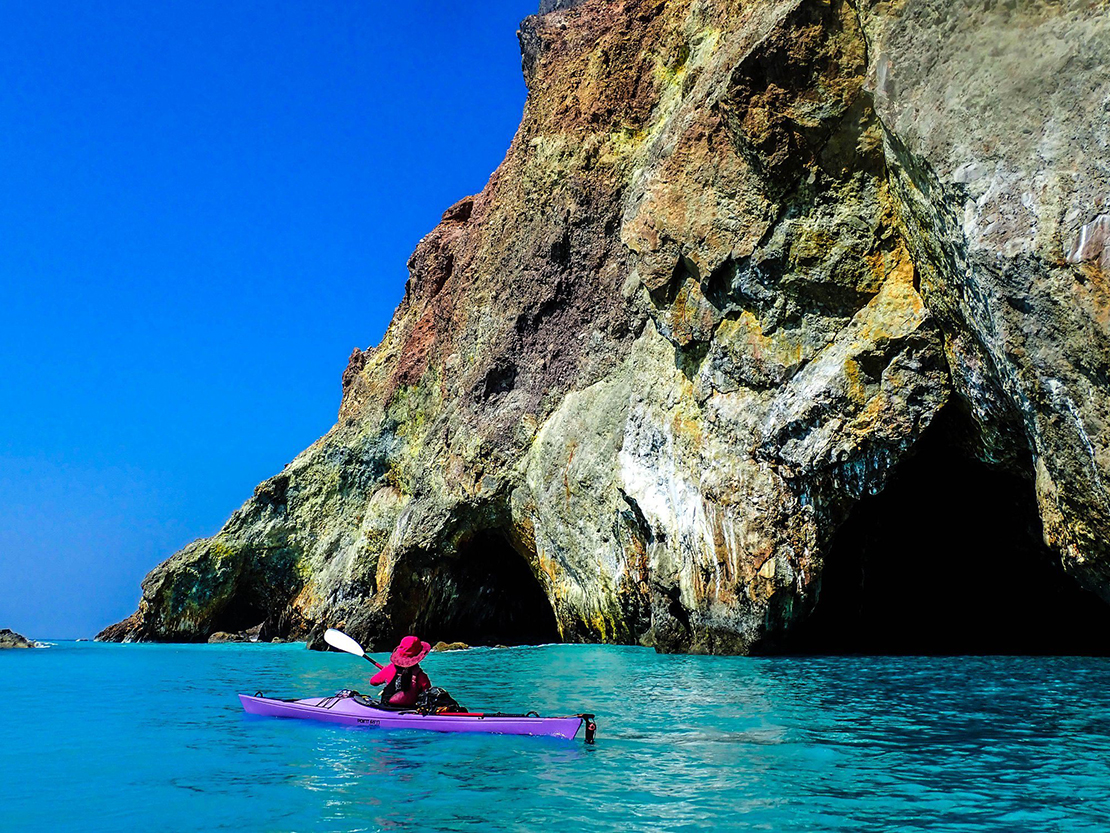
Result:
{"points": [[747, 271]]}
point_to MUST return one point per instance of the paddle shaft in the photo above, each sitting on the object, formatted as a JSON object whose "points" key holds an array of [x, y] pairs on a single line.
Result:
{"points": [[368, 659]]}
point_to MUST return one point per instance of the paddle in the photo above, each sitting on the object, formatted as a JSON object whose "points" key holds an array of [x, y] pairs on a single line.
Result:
{"points": [[341, 642]]}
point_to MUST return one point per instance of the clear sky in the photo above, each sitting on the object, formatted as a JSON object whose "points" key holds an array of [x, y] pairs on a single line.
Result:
{"points": [[204, 206]]}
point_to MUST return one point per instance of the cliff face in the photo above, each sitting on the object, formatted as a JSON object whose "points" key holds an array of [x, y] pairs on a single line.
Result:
{"points": [[737, 260]]}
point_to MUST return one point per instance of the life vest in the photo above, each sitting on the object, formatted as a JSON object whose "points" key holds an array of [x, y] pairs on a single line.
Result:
{"points": [[403, 680]]}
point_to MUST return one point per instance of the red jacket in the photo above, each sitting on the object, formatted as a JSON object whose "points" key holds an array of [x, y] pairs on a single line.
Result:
{"points": [[420, 682]]}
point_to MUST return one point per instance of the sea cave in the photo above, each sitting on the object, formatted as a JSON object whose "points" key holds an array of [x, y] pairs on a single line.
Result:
{"points": [[949, 558]]}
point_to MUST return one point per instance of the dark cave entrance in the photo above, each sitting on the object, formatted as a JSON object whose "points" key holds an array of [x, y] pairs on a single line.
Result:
{"points": [[241, 612], [268, 579], [487, 594], [949, 559]]}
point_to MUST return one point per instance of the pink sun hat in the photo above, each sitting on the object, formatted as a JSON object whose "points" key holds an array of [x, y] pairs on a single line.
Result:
{"points": [[409, 652]]}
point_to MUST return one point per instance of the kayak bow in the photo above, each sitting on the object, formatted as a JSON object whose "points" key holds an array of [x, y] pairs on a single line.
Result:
{"points": [[348, 708]]}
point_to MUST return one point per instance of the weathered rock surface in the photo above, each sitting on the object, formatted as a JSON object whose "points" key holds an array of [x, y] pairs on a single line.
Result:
{"points": [[736, 261], [11, 639]]}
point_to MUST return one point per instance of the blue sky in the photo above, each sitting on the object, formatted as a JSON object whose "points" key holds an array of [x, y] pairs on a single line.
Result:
{"points": [[204, 206]]}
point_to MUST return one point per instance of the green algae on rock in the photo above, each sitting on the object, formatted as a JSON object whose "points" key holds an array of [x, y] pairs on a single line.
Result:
{"points": [[737, 260]]}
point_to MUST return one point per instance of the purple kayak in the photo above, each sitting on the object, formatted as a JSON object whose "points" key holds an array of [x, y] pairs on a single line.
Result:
{"points": [[349, 708]]}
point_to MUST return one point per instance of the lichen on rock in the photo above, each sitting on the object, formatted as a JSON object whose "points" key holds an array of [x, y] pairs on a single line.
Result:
{"points": [[737, 260]]}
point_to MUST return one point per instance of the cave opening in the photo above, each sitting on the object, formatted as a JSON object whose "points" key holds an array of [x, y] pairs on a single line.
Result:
{"points": [[242, 612], [949, 558], [487, 594]]}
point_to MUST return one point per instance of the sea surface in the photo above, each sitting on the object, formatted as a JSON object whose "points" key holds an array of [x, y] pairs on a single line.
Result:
{"points": [[151, 737]]}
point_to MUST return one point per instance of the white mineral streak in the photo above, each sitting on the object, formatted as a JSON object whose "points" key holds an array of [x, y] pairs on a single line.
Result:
{"points": [[1059, 393], [1092, 243], [652, 475]]}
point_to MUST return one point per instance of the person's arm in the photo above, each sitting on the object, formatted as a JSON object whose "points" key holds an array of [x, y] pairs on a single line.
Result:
{"points": [[384, 676], [422, 682]]}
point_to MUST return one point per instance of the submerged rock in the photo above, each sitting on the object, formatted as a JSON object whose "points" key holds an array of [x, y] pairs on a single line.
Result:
{"points": [[736, 261], [11, 639]]}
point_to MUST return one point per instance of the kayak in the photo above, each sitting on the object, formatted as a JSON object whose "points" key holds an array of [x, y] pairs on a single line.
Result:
{"points": [[349, 708]]}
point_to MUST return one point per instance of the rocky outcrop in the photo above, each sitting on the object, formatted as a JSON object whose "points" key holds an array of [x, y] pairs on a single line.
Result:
{"points": [[737, 260], [11, 639], [249, 635], [450, 646]]}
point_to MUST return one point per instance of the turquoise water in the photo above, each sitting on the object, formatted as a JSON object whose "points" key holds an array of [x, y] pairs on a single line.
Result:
{"points": [[148, 737]]}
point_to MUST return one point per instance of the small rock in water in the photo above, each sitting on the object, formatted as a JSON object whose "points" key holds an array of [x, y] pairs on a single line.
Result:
{"points": [[249, 635], [450, 646], [11, 639]]}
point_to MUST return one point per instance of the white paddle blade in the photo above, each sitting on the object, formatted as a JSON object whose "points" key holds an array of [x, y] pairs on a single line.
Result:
{"points": [[341, 642]]}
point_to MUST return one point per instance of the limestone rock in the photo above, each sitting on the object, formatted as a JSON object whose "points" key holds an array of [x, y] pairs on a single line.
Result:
{"points": [[738, 258]]}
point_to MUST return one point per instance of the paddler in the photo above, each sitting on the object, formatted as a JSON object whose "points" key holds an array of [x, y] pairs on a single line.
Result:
{"points": [[403, 678]]}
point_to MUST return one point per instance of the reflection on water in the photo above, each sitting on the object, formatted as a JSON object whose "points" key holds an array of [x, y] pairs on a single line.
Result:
{"points": [[103, 737]]}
